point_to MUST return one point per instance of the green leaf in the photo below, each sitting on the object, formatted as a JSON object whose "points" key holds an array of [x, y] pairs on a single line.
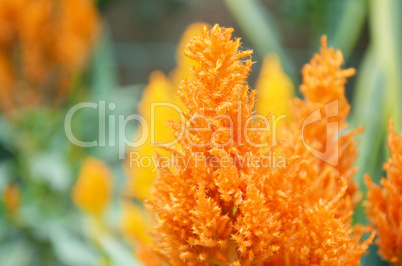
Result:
{"points": [[16, 253], [70, 249], [368, 100], [346, 24], [387, 43], [103, 68], [117, 253], [260, 29], [51, 169]]}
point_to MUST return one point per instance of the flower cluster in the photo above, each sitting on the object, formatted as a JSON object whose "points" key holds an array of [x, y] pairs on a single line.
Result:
{"points": [[384, 204], [42, 45], [239, 213]]}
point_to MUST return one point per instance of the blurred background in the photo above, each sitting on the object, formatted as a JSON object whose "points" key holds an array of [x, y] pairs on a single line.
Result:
{"points": [[67, 205]]}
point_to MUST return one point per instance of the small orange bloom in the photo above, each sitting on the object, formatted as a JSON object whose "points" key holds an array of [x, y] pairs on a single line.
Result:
{"points": [[11, 197], [384, 204], [43, 44], [94, 186]]}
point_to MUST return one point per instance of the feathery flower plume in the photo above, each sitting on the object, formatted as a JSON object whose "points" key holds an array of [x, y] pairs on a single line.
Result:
{"points": [[94, 186], [323, 234], [313, 133], [224, 205], [43, 43], [384, 204]]}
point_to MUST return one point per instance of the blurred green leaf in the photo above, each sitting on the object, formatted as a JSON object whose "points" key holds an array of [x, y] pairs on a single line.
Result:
{"points": [[118, 254], [259, 27], [70, 249], [103, 68], [368, 101], [125, 100], [341, 20], [6, 133], [6, 173], [346, 24], [16, 253], [386, 29], [51, 169]]}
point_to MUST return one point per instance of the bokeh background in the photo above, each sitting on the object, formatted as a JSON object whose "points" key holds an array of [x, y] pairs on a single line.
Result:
{"points": [[67, 205]]}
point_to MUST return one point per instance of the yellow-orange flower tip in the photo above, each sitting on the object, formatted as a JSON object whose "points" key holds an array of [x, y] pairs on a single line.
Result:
{"points": [[184, 62], [93, 189], [384, 203], [134, 224], [335, 154], [323, 78], [219, 64], [11, 197], [274, 88]]}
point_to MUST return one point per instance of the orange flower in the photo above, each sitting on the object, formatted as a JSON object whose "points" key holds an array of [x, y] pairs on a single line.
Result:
{"points": [[325, 172], [43, 43], [93, 189], [11, 197], [314, 131], [223, 204], [384, 204]]}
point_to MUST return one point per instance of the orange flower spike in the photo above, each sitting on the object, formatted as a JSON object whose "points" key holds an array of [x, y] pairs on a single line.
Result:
{"points": [[324, 80], [324, 91], [220, 70], [206, 207], [93, 189], [384, 204]]}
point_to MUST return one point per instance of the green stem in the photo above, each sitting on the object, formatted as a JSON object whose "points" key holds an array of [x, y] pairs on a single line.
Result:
{"points": [[349, 26], [259, 28]]}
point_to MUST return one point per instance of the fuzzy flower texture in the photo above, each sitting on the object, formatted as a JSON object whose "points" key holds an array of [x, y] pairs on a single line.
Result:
{"points": [[384, 204], [224, 205]]}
